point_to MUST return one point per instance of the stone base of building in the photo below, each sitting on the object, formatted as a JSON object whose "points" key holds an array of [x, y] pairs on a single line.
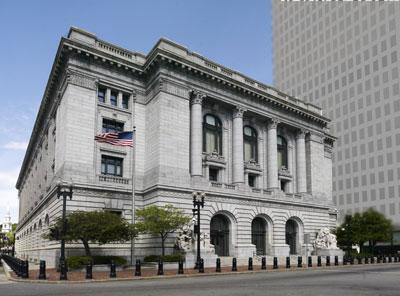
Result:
{"points": [[280, 250]]}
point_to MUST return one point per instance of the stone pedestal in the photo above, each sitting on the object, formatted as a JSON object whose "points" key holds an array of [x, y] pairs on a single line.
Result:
{"points": [[329, 252], [208, 257]]}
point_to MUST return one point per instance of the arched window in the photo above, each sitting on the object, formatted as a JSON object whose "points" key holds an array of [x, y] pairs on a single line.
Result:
{"points": [[47, 220], [282, 153], [212, 134], [250, 144]]}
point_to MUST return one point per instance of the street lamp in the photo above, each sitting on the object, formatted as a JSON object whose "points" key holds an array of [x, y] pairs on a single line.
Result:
{"points": [[64, 190], [198, 202]]}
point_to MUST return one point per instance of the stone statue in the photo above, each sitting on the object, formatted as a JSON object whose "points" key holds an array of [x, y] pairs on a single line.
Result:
{"points": [[325, 240], [184, 240]]}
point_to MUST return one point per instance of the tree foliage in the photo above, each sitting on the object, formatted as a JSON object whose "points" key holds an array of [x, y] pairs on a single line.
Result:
{"points": [[161, 221], [370, 226], [92, 227]]}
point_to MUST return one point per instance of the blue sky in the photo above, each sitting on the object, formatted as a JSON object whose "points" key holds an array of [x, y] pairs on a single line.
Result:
{"points": [[234, 33]]}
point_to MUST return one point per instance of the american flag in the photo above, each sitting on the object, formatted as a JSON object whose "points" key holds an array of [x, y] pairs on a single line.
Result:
{"points": [[117, 139]]}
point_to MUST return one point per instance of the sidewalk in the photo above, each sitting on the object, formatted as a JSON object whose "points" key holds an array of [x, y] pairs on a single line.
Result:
{"points": [[125, 275]]}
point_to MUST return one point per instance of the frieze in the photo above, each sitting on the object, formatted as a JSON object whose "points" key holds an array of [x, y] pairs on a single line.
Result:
{"points": [[82, 80]]}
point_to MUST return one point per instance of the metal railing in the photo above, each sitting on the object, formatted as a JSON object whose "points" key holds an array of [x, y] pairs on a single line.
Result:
{"points": [[20, 267]]}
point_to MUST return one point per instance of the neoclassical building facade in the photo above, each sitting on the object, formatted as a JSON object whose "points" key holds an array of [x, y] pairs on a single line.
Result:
{"points": [[262, 158]]}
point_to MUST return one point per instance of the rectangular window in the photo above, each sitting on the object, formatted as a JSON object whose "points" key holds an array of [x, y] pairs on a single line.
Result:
{"points": [[112, 126], [113, 98], [252, 180], [125, 101], [213, 174], [111, 165], [101, 95]]}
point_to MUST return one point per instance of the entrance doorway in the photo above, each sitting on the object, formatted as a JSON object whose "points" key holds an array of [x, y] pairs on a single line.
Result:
{"points": [[258, 235], [219, 235], [291, 236]]}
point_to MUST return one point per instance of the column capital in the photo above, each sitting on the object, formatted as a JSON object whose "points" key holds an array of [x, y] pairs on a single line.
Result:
{"points": [[238, 112], [273, 123], [301, 133], [196, 97]]}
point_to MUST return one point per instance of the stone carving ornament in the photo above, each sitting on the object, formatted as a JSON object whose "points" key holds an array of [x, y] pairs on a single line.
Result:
{"points": [[325, 240]]}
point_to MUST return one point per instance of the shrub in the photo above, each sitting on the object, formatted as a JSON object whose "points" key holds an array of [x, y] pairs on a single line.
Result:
{"points": [[75, 262], [165, 258]]}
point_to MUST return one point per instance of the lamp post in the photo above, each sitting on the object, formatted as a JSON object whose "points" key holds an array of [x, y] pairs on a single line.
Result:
{"points": [[64, 190], [198, 202]]}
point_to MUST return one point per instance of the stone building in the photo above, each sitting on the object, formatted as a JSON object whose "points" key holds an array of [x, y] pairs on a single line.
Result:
{"points": [[263, 158]]}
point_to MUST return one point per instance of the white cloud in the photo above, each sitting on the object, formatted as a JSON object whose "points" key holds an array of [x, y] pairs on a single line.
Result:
{"points": [[13, 145]]}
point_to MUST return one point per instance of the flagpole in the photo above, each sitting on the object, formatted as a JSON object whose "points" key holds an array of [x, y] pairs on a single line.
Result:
{"points": [[133, 172]]}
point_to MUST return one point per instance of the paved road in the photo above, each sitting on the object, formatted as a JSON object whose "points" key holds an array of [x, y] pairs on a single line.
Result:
{"points": [[357, 280]]}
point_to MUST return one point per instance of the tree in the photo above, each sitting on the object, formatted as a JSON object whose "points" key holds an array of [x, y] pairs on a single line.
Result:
{"points": [[377, 227], [370, 226], [92, 227], [161, 221]]}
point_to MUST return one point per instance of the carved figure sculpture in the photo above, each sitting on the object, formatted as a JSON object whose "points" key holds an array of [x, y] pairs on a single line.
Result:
{"points": [[325, 240]]}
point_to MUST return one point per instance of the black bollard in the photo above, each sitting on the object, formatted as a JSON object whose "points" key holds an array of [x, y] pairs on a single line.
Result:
{"points": [[319, 262], [201, 267], [366, 260], [89, 271], [138, 268], [180, 267], [113, 272], [384, 259], [328, 261], [218, 265], [378, 259], [275, 263], [287, 262], [160, 268], [396, 259], [234, 264], [372, 260], [336, 260], [42, 270], [63, 271], [344, 260], [263, 263], [309, 261], [359, 260], [351, 260], [299, 261], [250, 267], [390, 259]]}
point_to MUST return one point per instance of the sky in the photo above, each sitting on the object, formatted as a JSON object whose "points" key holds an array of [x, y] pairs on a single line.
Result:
{"points": [[234, 33]]}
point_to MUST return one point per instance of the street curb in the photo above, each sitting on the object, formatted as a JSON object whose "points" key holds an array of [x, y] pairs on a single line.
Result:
{"points": [[166, 277]]}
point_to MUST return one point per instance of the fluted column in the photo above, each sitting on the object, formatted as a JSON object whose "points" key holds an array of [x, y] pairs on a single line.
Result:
{"points": [[301, 162], [237, 147], [272, 155], [196, 133], [289, 184]]}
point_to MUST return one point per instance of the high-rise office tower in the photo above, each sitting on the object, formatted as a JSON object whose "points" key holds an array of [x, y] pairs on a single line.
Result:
{"points": [[345, 57]]}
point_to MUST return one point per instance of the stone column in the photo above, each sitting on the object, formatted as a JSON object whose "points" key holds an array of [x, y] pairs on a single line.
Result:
{"points": [[301, 162], [272, 155], [237, 146], [196, 133], [289, 186], [108, 95]]}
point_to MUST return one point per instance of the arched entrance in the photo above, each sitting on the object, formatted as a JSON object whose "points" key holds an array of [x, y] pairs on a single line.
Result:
{"points": [[258, 235], [219, 234], [292, 230]]}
